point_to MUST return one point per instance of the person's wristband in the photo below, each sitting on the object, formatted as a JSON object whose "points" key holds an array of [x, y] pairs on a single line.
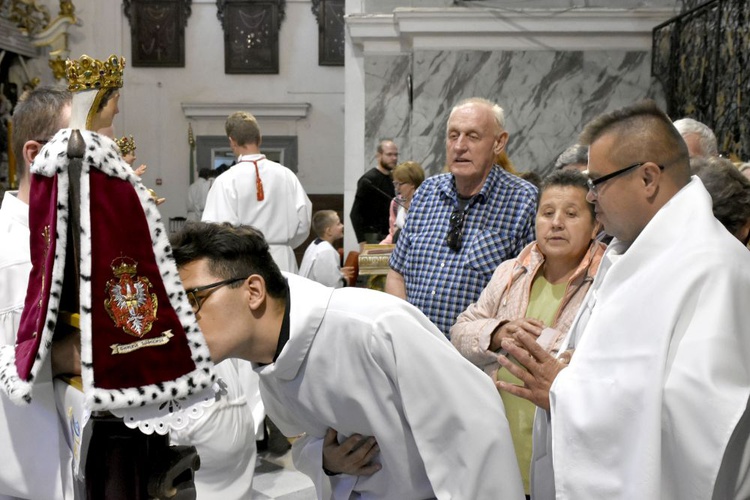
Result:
{"points": [[330, 473]]}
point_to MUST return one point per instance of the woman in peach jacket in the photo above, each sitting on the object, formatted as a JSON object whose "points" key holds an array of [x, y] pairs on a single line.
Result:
{"points": [[539, 292]]}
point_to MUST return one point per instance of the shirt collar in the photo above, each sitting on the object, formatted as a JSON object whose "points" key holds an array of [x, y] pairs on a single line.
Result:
{"points": [[285, 326], [447, 186]]}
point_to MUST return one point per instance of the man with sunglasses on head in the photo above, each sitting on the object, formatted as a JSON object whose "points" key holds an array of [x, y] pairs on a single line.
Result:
{"points": [[465, 223], [384, 406], [653, 404]]}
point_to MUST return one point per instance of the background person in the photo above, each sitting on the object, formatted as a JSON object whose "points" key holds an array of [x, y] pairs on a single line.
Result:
{"points": [[260, 192], [699, 138], [541, 289], [407, 177], [36, 460], [369, 214], [321, 261], [465, 223], [730, 192], [197, 194]]}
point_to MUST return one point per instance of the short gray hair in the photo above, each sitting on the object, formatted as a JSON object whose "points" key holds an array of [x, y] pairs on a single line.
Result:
{"points": [[707, 138], [497, 111], [577, 154]]}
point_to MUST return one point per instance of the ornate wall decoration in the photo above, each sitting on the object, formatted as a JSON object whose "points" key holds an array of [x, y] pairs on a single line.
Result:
{"points": [[251, 35], [157, 32], [701, 58], [331, 38]]}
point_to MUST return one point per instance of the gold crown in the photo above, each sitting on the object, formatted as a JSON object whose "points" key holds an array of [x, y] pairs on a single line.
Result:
{"points": [[126, 145], [88, 73], [123, 265]]}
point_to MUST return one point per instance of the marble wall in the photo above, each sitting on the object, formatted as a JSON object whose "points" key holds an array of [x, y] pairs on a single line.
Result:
{"points": [[387, 6], [547, 96]]}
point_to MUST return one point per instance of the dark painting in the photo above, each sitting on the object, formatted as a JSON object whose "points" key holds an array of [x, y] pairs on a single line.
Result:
{"points": [[157, 29], [330, 16], [251, 35]]}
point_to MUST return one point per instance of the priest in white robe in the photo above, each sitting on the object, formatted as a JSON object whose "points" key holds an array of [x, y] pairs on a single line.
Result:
{"points": [[653, 404]]}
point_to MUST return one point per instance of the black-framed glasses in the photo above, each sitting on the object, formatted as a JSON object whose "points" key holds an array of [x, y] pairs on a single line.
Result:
{"points": [[456, 229], [593, 183], [197, 302]]}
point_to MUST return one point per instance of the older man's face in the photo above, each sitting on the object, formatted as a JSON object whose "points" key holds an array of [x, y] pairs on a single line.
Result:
{"points": [[473, 139]]}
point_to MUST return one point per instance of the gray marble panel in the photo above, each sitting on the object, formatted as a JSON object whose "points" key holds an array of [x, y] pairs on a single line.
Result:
{"points": [[387, 109], [538, 4], [548, 96]]}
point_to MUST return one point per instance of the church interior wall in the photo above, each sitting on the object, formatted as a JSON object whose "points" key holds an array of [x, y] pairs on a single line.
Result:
{"points": [[151, 100], [547, 96]]}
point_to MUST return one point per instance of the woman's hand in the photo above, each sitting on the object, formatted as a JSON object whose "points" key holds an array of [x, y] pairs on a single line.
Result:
{"points": [[511, 328]]}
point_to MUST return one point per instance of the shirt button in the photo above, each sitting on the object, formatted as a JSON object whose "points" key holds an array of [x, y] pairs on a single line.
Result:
{"points": [[442, 265], [433, 292]]}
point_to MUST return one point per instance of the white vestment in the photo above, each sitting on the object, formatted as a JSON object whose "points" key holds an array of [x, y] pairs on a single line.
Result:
{"points": [[659, 379], [224, 438], [196, 198], [35, 461], [361, 361], [321, 264], [283, 216]]}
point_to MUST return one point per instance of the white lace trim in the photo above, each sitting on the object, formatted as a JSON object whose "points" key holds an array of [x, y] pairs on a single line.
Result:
{"points": [[174, 414]]}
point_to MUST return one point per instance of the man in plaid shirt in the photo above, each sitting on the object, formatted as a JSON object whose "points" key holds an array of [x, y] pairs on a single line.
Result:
{"points": [[461, 225]]}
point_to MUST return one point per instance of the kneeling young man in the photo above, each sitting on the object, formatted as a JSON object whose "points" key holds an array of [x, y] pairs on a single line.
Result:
{"points": [[386, 406]]}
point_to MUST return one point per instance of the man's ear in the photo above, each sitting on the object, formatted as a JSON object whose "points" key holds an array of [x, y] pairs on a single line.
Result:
{"points": [[256, 287], [500, 141], [651, 176], [30, 150]]}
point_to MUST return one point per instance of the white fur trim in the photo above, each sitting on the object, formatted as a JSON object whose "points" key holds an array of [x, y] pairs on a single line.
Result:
{"points": [[101, 153]]}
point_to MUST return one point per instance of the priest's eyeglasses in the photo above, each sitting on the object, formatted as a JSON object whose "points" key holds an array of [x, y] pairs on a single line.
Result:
{"points": [[456, 230], [196, 301], [593, 183]]}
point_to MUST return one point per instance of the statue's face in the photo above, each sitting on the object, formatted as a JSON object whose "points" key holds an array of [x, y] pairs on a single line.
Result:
{"points": [[107, 114]]}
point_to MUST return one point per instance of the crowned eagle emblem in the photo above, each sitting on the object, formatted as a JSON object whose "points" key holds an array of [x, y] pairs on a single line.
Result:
{"points": [[130, 304]]}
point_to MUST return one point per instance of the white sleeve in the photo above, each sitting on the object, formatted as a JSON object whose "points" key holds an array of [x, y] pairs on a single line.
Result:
{"points": [[325, 269], [466, 446], [304, 215], [221, 203]]}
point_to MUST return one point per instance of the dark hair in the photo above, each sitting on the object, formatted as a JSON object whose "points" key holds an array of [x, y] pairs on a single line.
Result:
{"points": [[204, 173], [231, 251], [37, 116], [106, 96], [565, 178], [645, 133], [729, 190]]}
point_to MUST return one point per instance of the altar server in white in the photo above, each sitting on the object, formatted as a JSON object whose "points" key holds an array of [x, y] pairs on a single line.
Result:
{"points": [[321, 261], [653, 404], [384, 406], [261, 193], [35, 460]]}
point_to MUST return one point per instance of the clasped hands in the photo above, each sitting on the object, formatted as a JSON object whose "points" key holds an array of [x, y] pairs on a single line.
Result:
{"points": [[354, 456], [538, 369]]}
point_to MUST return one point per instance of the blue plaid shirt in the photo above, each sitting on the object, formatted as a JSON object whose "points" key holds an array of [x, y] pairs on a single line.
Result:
{"points": [[499, 223]]}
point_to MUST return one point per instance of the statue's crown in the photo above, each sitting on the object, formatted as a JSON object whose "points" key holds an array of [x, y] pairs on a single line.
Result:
{"points": [[87, 73], [124, 265], [126, 145]]}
